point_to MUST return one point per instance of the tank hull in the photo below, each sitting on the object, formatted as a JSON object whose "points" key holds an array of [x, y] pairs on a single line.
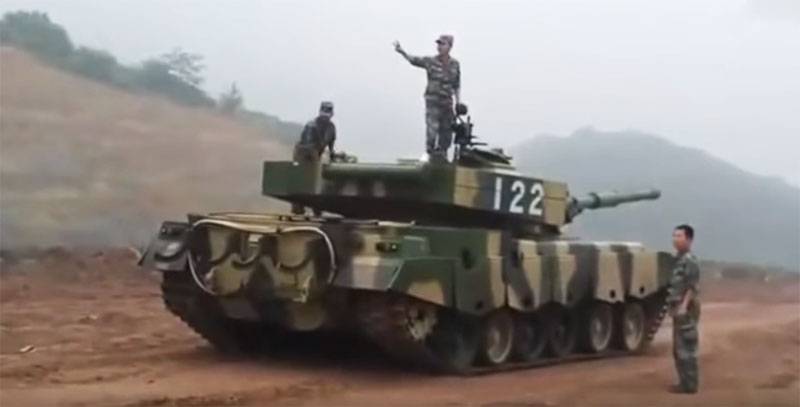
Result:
{"points": [[458, 300]]}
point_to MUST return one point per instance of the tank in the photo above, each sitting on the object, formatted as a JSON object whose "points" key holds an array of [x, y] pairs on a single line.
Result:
{"points": [[458, 267]]}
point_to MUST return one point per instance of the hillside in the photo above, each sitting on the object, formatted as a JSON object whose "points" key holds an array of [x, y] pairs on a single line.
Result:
{"points": [[85, 163], [738, 216]]}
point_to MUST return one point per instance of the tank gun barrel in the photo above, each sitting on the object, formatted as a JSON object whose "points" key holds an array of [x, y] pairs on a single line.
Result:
{"points": [[596, 200]]}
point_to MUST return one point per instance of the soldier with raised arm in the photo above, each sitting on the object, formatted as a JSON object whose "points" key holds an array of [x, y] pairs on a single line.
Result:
{"points": [[442, 91]]}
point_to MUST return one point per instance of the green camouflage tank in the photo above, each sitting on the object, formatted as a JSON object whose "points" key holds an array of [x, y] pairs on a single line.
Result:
{"points": [[458, 267]]}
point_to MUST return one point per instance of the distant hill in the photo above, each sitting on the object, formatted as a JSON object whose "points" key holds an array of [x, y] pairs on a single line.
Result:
{"points": [[739, 216], [87, 163]]}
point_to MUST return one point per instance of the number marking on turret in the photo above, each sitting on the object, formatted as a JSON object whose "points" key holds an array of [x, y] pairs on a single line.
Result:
{"points": [[537, 191], [518, 195], [498, 187]]}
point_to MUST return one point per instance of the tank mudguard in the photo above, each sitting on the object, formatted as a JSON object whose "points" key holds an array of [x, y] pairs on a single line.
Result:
{"points": [[168, 250], [652, 272], [429, 279], [367, 273], [426, 278]]}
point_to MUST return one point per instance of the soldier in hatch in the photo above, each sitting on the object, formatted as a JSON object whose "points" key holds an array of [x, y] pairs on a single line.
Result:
{"points": [[444, 87], [318, 134], [684, 303]]}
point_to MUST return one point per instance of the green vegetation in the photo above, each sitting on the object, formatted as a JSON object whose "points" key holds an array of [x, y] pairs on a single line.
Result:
{"points": [[231, 101], [176, 75], [35, 32]]}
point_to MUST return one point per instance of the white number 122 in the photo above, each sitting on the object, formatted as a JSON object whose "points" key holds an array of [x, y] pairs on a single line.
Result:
{"points": [[518, 194]]}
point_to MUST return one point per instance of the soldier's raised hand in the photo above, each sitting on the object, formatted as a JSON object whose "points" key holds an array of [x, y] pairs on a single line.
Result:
{"points": [[398, 47]]}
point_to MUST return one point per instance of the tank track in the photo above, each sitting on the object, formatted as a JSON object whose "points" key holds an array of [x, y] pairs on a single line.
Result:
{"points": [[659, 308], [382, 318], [202, 314], [384, 321]]}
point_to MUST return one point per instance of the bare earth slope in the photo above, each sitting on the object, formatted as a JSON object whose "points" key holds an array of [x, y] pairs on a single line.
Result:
{"points": [[80, 329], [84, 163]]}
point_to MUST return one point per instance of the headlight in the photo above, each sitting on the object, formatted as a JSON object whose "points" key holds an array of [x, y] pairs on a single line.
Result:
{"points": [[387, 247], [171, 249]]}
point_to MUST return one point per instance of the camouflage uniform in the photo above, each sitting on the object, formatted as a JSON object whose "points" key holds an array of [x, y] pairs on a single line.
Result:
{"points": [[685, 338], [444, 80], [316, 136]]}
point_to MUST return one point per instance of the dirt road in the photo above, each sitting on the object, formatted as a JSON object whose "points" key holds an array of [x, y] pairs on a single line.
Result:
{"points": [[91, 330]]}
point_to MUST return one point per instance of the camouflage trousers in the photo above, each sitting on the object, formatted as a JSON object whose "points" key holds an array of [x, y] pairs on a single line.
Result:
{"points": [[439, 117], [685, 341], [304, 154]]}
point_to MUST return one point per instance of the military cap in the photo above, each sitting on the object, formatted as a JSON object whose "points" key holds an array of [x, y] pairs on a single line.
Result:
{"points": [[446, 39], [326, 108]]}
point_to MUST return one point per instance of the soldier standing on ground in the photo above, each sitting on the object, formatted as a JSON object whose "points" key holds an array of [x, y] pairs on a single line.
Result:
{"points": [[684, 306], [318, 134], [444, 85]]}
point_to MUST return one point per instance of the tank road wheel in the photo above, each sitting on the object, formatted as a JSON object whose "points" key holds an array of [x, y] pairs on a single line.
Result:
{"points": [[454, 342], [497, 337], [562, 332], [530, 337], [598, 327], [631, 330]]}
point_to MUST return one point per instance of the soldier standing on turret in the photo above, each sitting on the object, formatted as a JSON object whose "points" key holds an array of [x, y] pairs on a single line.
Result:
{"points": [[444, 85], [318, 134]]}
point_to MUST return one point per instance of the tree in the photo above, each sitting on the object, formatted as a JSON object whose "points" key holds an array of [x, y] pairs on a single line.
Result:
{"points": [[231, 100], [176, 74], [158, 77], [35, 32], [186, 66], [95, 64]]}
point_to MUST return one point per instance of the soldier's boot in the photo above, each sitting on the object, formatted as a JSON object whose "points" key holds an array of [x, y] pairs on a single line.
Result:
{"points": [[690, 373], [681, 389], [437, 156]]}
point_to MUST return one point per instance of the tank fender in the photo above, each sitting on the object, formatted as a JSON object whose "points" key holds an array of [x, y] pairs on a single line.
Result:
{"points": [[367, 273], [167, 251], [427, 278], [652, 272], [609, 284]]}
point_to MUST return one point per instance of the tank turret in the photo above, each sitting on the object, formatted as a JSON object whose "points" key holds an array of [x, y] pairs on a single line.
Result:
{"points": [[448, 194]]}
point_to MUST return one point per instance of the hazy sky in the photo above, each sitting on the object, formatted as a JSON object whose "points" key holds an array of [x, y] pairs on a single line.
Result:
{"points": [[721, 75]]}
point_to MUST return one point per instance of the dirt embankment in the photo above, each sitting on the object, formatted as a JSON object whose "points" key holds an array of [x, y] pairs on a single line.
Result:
{"points": [[88, 328], [86, 163]]}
